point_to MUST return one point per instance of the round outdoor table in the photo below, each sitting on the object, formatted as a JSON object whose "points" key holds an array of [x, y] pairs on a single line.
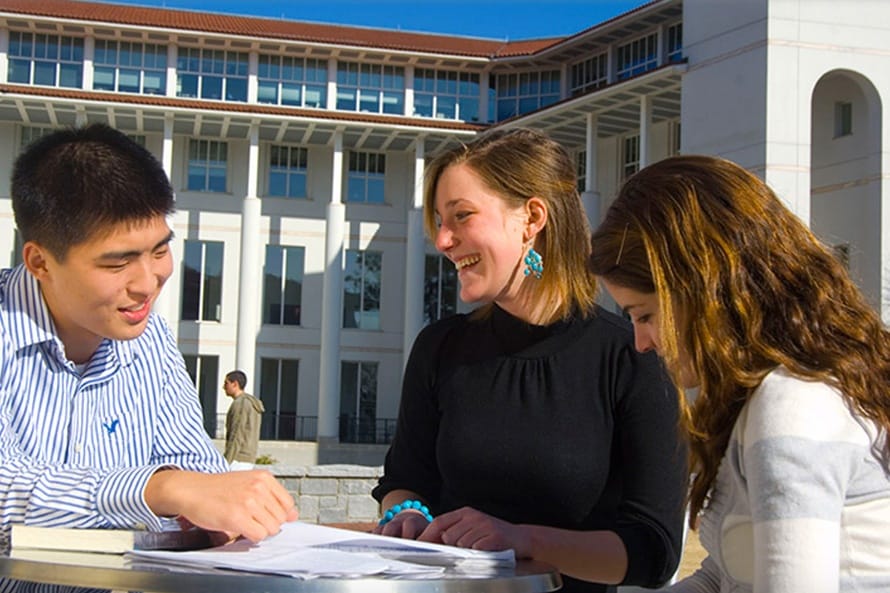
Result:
{"points": [[118, 573]]}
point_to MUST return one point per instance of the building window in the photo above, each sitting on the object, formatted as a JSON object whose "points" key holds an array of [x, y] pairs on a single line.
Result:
{"points": [[446, 94], [207, 165], [366, 176], [630, 155], [48, 60], [126, 67], [211, 74], [291, 81], [204, 371], [278, 390], [287, 171], [202, 281], [358, 402], [372, 88], [636, 57], [518, 94], [590, 74], [581, 170], [843, 119], [675, 43], [283, 285], [32, 133], [439, 289], [361, 289]]}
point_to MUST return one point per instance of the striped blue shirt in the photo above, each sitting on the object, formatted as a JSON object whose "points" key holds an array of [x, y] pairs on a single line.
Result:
{"points": [[77, 448]]}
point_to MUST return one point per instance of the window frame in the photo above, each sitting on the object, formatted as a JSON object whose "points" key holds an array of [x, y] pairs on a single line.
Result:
{"points": [[366, 315]]}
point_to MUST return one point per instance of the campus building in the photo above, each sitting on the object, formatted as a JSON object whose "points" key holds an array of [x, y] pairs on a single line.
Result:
{"points": [[296, 152]]}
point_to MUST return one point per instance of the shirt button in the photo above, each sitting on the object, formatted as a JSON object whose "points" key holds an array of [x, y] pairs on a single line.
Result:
{"points": [[78, 449]]}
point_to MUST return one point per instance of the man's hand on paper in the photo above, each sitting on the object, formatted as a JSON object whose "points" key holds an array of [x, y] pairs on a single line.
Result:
{"points": [[468, 528], [252, 504]]}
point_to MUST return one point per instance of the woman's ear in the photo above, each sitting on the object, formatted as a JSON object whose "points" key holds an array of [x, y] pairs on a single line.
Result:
{"points": [[536, 211]]}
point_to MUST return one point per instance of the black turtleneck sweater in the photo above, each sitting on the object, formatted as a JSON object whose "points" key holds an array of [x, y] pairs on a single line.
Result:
{"points": [[563, 425]]}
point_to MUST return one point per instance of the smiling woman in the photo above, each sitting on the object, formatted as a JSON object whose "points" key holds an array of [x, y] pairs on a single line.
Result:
{"points": [[532, 423]]}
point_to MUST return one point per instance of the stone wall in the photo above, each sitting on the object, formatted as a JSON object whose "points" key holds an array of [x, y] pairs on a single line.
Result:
{"points": [[331, 493]]}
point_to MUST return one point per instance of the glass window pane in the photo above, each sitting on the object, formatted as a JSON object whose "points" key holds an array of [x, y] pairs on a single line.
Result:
{"points": [[187, 86], [19, 71], [236, 89], [277, 183], [217, 180], [211, 87], [45, 73], [103, 79], [154, 83], [129, 81], [297, 185], [272, 285], [293, 286], [213, 260], [352, 289], [290, 94], [191, 280]]}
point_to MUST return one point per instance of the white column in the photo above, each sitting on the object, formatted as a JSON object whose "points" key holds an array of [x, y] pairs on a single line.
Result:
{"points": [[4, 55], [415, 253], [253, 66], [409, 90], [250, 274], [645, 129], [89, 57], [591, 197], [332, 84], [166, 304], [172, 55], [483, 96], [332, 304]]}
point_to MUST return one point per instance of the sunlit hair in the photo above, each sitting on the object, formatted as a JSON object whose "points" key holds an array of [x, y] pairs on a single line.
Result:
{"points": [[75, 183], [517, 165], [753, 288]]}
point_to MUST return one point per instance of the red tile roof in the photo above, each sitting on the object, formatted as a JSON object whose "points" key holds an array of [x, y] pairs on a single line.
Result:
{"points": [[277, 29]]}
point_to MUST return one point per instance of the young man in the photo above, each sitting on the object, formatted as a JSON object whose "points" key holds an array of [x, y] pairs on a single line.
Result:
{"points": [[242, 423], [100, 424]]}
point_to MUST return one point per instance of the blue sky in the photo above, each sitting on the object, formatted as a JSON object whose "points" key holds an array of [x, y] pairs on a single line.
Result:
{"points": [[496, 19]]}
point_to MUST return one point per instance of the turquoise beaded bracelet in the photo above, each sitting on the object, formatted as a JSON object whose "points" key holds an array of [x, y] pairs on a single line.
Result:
{"points": [[406, 505]]}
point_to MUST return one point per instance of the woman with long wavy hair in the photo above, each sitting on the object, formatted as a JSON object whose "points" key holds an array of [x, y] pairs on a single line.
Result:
{"points": [[791, 369]]}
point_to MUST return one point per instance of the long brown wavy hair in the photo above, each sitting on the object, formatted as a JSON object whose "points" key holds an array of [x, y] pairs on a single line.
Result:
{"points": [[753, 288], [519, 164]]}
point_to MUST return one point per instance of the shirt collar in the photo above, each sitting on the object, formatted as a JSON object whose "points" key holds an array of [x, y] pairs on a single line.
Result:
{"points": [[31, 322]]}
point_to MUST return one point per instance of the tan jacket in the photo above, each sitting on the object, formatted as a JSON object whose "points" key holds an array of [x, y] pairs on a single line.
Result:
{"points": [[243, 428]]}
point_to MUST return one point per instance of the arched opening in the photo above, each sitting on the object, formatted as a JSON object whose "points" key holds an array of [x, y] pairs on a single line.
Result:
{"points": [[845, 158]]}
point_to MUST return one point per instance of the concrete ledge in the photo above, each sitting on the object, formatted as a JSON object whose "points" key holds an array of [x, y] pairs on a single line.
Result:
{"points": [[337, 494]]}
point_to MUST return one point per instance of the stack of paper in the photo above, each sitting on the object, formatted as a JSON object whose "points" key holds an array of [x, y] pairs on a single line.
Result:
{"points": [[306, 550]]}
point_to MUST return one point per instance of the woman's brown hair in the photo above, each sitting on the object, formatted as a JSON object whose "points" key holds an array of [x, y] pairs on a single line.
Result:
{"points": [[755, 289]]}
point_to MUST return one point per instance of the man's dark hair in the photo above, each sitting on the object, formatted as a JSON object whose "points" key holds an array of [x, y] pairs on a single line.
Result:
{"points": [[73, 183], [238, 377]]}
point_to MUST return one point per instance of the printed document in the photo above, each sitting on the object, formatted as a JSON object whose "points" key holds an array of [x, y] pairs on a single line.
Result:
{"points": [[307, 550]]}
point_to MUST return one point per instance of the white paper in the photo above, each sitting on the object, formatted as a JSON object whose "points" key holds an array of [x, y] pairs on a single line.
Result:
{"points": [[306, 550]]}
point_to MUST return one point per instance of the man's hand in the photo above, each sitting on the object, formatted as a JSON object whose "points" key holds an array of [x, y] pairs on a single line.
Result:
{"points": [[252, 504]]}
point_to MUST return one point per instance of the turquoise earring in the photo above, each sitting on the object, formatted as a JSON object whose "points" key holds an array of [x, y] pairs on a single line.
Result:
{"points": [[534, 264]]}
